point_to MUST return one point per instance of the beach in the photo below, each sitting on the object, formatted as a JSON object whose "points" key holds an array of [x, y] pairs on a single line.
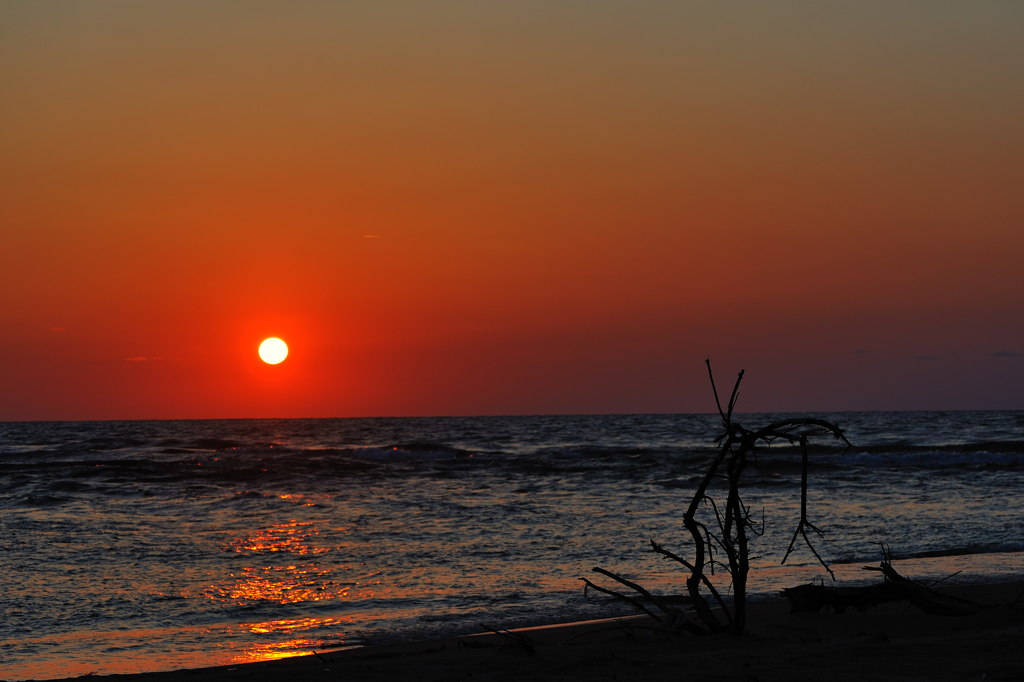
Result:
{"points": [[139, 547], [890, 642]]}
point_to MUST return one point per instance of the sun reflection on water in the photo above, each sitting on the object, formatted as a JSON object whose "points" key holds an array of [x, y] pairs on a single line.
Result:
{"points": [[282, 584], [294, 537], [273, 648], [287, 564], [298, 498]]}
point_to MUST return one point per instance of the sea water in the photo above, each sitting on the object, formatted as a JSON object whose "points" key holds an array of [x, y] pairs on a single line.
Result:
{"points": [[153, 545]]}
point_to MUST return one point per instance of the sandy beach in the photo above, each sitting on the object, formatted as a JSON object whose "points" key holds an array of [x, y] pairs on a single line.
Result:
{"points": [[891, 642]]}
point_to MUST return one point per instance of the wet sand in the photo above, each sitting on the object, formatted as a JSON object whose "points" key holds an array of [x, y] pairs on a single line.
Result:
{"points": [[890, 642]]}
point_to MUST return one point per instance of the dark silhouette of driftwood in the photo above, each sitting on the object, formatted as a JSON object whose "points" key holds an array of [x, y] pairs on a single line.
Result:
{"points": [[818, 598], [723, 540]]}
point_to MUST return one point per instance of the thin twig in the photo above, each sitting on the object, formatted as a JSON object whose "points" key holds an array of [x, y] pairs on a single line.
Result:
{"points": [[622, 597], [634, 586]]}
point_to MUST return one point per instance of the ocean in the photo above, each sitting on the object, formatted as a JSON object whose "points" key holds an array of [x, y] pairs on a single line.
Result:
{"points": [[153, 545]]}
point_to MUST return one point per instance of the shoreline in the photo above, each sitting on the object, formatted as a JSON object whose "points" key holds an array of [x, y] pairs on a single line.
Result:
{"points": [[889, 642]]}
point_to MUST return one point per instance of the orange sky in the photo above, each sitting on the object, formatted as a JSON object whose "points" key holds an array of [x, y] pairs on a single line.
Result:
{"points": [[499, 208]]}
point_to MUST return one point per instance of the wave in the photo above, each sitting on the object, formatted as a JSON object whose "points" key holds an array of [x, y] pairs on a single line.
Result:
{"points": [[940, 458], [997, 446], [968, 550], [944, 552], [414, 450], [239, 461]]}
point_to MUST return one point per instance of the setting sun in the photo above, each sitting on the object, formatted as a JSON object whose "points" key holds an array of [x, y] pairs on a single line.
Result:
{"points": [[273, 351]]}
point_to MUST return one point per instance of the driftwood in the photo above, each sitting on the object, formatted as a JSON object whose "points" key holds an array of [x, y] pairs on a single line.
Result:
{"points": [[817, 598], [723, 540]]}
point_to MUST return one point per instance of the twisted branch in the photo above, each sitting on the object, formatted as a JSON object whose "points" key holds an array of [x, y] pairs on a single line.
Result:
{"points": [[736, 445]]}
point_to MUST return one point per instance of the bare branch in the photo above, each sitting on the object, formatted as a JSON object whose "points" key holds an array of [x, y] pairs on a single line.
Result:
{"points": [[728, 536], [707, 583], [714, 390], [668, 610], [618, 595], [734, 397]]}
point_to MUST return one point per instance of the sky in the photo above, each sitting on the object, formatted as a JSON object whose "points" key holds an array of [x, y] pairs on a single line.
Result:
{"points": [[529, 207]]}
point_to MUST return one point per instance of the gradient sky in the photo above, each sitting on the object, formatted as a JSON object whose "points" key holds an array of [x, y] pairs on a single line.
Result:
{"points": [[509, 207]]}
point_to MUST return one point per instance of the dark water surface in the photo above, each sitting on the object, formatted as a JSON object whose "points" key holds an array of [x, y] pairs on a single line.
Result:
{"points": [[149, 545]]}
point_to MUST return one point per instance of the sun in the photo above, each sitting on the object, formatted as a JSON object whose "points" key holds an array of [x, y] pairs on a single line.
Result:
{"points": [[273, 351]]}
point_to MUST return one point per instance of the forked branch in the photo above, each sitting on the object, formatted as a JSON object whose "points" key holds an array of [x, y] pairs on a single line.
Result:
{"points": [[732, 519]]}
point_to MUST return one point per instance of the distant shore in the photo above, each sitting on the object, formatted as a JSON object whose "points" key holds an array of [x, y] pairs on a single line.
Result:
{"points": [[892, 642]]}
